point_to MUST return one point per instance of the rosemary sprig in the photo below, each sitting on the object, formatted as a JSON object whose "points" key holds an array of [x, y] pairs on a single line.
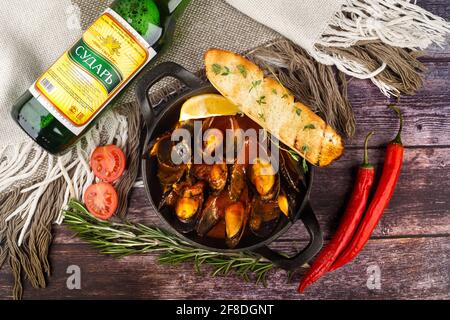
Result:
{"points": [[125, 238]]}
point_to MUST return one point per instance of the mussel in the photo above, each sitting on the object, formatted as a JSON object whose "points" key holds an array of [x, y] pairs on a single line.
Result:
{"points": [[221, 135], [218, 176], [238, 181], [264, 216], [264, 178], [235, 220], [170, 197], [283, 204], [168, 172], [201, 171], [227, 199], [189, 205], [213, 212], [220, 208]]}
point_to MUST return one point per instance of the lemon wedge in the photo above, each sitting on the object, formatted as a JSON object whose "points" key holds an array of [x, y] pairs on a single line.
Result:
{"points": [[207, 105]]}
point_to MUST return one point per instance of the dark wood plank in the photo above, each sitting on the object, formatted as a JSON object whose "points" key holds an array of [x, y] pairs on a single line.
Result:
{"points": [[426, 113], [410, 268]]}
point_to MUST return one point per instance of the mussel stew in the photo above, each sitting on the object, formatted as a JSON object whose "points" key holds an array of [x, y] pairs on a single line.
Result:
{"points": [[224, 183]]}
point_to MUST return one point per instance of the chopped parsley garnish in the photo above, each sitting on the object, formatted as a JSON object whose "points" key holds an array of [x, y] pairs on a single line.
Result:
{"points": [[261, 116], [309, 126], [274, 91], [305, 148], [298, 111], [255, 84], [242, 70], [216, 68], [284, 96], [294, 155], [226, 72], [305, 165], [261, 100]]}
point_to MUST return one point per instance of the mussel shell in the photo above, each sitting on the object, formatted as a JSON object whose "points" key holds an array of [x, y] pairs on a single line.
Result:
{"points": [[221, 123], [169, 198], [287, 202], [186, 225], [270, 191], [291, 172], [201, 171], [168, 172], [238, 181], [273, 194], [170, 175], [235, 222], [218, 177], [213, 211], [264, 217], [188, 206]]}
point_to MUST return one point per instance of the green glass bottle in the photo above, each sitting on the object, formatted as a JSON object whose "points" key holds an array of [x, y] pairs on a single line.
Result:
{"points": [[68, 98]]}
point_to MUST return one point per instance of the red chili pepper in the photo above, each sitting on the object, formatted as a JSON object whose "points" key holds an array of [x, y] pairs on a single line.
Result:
{"points": [[383, 194], [350, 220]]}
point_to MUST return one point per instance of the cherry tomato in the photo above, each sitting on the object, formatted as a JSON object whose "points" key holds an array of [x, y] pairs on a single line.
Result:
{"points": [[101, 200], [108, 163]]}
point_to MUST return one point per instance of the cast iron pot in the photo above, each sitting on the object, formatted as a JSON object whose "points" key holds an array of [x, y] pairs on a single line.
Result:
{"points": [[163, 118]]}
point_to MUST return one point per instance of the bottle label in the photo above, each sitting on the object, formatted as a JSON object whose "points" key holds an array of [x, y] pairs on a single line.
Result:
{"points": [[91, 73]]}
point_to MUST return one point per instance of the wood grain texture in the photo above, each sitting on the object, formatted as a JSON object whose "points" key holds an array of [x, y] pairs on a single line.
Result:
{"points": [[426, 113], [411, 244], [419, 269]]}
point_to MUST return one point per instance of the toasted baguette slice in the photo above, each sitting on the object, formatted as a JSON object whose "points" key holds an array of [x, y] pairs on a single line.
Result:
{"points": [[272, 106]]}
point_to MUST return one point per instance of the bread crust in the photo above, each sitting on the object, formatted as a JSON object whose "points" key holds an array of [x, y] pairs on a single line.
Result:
{"points": [[272, 106]]}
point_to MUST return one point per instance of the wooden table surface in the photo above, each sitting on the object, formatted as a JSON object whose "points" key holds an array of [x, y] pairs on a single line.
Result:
{"points": [[410, 246]]}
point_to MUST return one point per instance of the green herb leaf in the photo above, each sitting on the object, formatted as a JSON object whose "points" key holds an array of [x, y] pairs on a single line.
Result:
{"points": [[255, 84], [305, 165], [309, 126], [274, 91], [216, 68], [294, 155], [305, 148], [242, 70], [261, 116], [226, 72], [284, 96], [261, 100], [298, 111]]}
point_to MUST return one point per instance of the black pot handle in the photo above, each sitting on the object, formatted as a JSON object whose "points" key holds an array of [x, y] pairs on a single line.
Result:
{"points": [[163, 70], [315, 244]]}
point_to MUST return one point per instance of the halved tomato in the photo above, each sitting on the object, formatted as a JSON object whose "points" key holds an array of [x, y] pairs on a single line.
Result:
{"points": [[101, 200], [108, 163]]}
